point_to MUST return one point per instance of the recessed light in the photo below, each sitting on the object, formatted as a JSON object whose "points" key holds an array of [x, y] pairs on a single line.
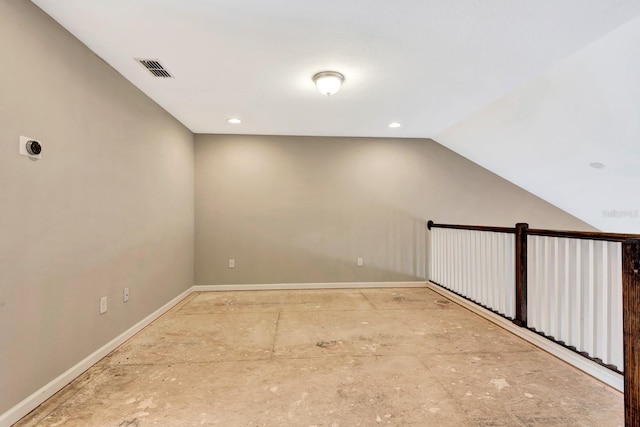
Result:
{"points": [[234, 121], [597, 165], [395, 125]]}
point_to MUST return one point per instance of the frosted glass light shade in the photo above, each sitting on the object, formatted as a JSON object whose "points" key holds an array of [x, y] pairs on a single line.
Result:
{"points": [[328, 82]]}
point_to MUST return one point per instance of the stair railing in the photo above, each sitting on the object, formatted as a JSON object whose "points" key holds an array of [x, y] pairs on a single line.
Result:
{"points": [[578, 289]]}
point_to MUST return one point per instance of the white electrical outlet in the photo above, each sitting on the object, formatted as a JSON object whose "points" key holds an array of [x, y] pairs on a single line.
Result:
{"points": [[360, 261], [125, 294], [103, 305], [232, 263]]}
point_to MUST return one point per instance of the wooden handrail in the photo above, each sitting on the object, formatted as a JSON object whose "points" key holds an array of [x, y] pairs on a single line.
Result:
{"points": [[630, 295], [432, 224], [588, 235]]}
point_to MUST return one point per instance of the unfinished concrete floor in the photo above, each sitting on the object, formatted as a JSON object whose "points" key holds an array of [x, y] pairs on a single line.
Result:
{"points": [[369, 357]]}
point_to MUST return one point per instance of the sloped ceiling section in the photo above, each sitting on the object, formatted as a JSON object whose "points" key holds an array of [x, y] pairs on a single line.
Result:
{"points": [[544, 135]]}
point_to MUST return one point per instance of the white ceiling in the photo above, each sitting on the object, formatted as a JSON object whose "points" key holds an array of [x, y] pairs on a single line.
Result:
{"points": [[544, 135], [431, 65]]}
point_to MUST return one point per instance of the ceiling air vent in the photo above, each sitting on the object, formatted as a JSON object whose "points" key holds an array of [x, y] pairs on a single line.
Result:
{"points": [[155, 67]]}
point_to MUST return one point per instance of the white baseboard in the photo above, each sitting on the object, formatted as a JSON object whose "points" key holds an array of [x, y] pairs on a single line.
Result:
{"points": [[302, 286], [14, 414], [597, 371], [30, 403]]}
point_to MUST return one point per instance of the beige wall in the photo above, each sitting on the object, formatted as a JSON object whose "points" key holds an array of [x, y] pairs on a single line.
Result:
{"points": [[109, 206], [302, 209]]}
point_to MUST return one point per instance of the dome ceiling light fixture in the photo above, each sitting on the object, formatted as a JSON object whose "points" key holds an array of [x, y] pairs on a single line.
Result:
{"points": [[328, 82]]}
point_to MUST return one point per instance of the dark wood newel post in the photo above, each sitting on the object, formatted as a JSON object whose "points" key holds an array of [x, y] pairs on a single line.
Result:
{"points": [[521, 274], [631, 330]]}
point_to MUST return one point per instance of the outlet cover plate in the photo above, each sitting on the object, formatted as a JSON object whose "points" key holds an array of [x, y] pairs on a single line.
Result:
{"points": [[103, 305]]}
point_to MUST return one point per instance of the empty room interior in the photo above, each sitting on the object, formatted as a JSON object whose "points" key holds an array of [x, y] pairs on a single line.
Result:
{"points": [[286, 213]]}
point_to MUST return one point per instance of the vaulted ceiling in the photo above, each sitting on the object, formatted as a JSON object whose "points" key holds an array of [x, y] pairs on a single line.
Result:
{"points": [[534, 91]]}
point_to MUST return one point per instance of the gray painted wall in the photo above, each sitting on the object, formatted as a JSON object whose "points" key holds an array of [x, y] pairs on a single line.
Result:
{"points": [[109, 206], [302, 209]]}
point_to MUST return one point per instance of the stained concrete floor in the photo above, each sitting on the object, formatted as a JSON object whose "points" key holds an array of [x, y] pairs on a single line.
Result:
{"points": [[370, 357]]}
